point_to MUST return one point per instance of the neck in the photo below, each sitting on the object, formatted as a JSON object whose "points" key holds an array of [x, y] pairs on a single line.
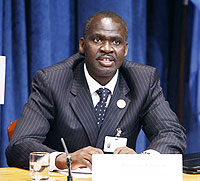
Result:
{"points": [[103, 80]]}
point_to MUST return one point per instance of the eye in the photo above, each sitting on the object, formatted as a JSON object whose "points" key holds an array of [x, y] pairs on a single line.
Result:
{"points": [[97, 40], [116, 42]]}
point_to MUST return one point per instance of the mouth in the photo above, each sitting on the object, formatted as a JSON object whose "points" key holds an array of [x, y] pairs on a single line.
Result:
{"points": [[106, 61]]}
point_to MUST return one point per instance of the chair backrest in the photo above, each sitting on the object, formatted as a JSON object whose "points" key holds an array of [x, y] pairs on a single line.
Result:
{"points": [[11, 128]]}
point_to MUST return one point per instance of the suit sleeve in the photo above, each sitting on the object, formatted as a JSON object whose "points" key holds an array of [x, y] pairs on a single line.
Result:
{"points": [[160, 123], [33, 124]]}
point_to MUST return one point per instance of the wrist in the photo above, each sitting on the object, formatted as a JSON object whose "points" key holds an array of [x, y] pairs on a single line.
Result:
{"points": [[60, 161]]}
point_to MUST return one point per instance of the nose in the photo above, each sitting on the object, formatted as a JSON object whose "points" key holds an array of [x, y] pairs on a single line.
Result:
{"points": [[106, 47]]}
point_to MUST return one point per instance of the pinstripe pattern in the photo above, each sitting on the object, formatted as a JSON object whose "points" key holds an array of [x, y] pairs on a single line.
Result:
{"points": [[60, 105]]}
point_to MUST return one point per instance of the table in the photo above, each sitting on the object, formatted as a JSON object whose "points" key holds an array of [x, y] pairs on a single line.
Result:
{"points": [[17, 174]]}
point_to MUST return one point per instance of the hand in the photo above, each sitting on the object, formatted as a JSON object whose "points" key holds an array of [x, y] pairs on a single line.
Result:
{"points": [[124, 150], [80, 158]]}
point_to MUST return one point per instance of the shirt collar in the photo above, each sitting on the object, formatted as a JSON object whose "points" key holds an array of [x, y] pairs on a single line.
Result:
{"points": [[94, 85]]}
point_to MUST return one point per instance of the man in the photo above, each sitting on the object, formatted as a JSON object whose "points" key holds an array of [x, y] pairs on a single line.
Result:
{"points": [[65, 103]]}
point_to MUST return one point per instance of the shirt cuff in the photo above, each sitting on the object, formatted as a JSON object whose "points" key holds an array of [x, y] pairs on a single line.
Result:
{"points": [[53, 156], [151, 151]]}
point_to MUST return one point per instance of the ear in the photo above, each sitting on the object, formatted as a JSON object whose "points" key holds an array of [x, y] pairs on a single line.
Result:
{"points": [[81, 45], [126, 49]]}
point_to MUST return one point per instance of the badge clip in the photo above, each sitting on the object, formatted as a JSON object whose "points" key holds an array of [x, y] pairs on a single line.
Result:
{"points": [[119, 132]]}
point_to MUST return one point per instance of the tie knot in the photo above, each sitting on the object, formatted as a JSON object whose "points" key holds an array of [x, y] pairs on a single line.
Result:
{"points": [[103, 93]]}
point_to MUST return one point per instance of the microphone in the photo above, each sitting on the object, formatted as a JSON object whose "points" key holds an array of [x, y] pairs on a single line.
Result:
{"points": [[68, 162]]}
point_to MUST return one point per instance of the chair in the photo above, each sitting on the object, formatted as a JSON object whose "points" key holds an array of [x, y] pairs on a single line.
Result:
{"points": [[11, 128]]}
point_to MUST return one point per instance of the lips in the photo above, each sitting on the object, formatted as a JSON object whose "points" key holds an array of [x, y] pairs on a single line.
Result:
{"points": [[106, 61]]}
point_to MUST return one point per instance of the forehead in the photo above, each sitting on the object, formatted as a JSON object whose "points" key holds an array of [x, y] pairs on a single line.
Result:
{"points": [[107, 26]]}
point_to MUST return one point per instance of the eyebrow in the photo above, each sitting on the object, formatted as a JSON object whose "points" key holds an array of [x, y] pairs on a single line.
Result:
{"points": [[101, 36]]}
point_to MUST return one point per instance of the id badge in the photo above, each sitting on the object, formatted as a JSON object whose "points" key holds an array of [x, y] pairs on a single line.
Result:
{"points": [[111, 143]]}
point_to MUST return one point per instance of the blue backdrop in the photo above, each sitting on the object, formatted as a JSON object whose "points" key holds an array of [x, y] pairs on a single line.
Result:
{"points": [[35, 34]]}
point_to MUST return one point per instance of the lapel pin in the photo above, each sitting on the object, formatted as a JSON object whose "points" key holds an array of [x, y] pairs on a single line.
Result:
{"points": [[119, 132], [121, 104]]}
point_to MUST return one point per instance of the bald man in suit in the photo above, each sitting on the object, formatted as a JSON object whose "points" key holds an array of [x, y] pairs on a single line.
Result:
{"points": [[64, 97]]}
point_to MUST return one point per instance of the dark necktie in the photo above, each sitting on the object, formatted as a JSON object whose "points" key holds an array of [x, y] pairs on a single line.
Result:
{"points": [[100, 108]]}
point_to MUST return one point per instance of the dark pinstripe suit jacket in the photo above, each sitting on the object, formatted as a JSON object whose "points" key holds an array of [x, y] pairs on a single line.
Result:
{"points": [[60, 105]]}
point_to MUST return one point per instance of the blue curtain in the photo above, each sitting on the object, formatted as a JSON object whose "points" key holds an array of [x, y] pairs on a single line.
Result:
{"points": [[192, 78], [194, 82], [35, 34]]}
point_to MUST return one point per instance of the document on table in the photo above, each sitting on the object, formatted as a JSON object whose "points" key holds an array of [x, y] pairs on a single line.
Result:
{"points": [[2, 78], [140, 167], [78, 173]]}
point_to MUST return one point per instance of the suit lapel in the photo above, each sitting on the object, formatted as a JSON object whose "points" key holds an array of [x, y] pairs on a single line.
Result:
{"points": [[114, 114], [82, 104]]}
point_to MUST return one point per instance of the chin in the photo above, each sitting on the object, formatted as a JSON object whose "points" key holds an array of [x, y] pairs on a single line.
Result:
{"points": [[108, 73]]}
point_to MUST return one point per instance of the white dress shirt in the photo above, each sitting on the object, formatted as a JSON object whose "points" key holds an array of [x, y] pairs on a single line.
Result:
{"points": [[94, 86]]}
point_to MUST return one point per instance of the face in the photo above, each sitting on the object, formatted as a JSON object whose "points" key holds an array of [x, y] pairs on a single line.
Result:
{"points": [[104, 48]]}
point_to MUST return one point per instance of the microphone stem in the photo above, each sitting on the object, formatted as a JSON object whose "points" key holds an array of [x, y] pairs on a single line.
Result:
{"points": [[68, 162]]}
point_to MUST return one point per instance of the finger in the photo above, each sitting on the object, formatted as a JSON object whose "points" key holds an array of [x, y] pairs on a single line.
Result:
{"points": [[93, 150], [124, 150], [88, 164], [127, 151], [118, 150]]}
